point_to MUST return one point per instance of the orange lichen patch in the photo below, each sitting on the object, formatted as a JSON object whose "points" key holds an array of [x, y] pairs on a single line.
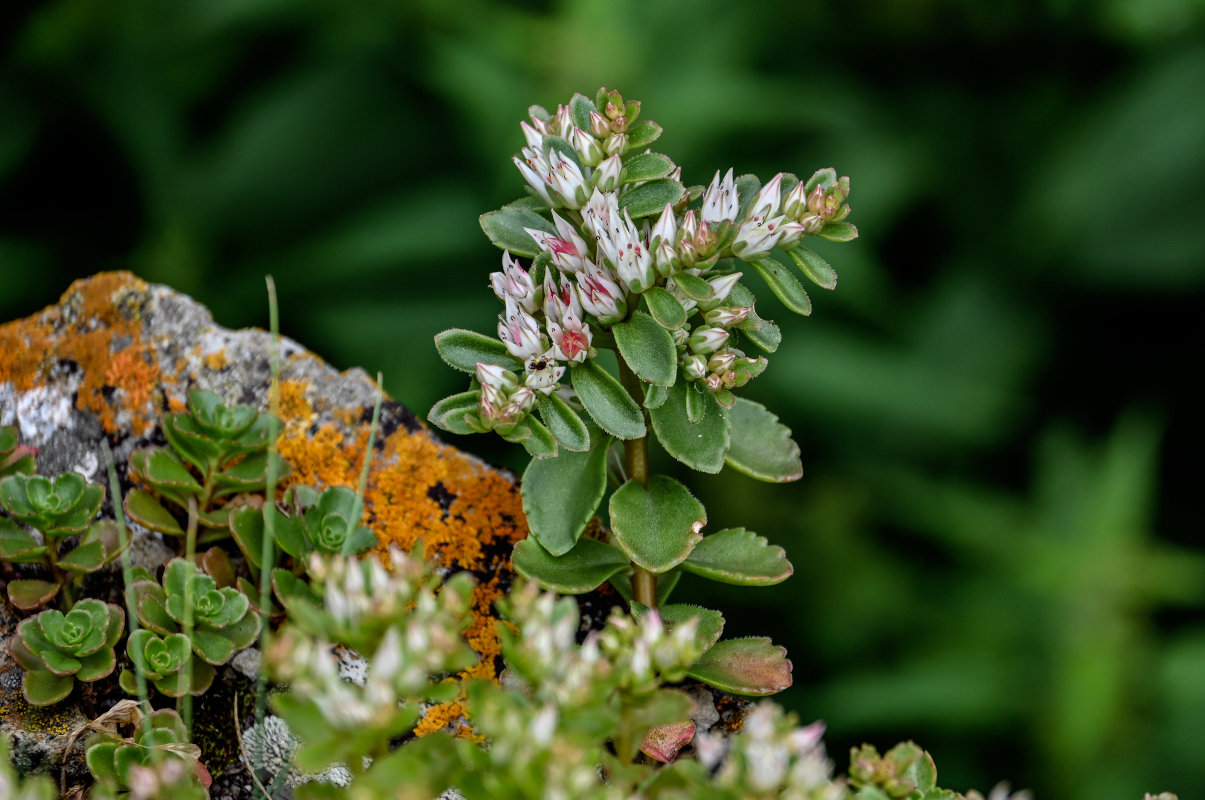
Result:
{"points": [[132, 371], [445, 716], [216, 360], [95, 315]]}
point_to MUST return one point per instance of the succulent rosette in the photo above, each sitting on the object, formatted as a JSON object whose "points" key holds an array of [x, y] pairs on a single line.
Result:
{"points": [[59, 506], [57, 649], [167, 662], [223, 621]]}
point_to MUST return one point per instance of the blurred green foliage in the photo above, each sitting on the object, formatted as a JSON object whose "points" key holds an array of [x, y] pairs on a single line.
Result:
{"points": [[999, 551]]}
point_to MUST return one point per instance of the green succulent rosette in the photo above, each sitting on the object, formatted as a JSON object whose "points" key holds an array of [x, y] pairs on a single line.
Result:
{"points": [[223, 621], [167, 662], [57, 649], [59, 506], [111, 758]]}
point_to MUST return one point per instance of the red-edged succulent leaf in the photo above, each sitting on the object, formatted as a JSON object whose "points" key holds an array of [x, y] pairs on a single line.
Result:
{"points": [[30, 594], [43, 688], [664, 741], [752, 666]]}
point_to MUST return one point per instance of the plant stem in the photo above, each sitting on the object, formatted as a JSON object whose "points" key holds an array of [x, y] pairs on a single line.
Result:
{"points": [[190, 555], [636, 462]]}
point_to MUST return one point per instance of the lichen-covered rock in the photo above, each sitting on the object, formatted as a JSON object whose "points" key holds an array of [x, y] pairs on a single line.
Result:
{"points": [[117, 353]]}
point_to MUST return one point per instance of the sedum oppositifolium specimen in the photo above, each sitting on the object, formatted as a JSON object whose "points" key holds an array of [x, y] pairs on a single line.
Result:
{"points": [[634, 321]]}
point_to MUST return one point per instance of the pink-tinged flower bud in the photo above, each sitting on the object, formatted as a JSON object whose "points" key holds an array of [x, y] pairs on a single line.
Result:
{"points": [[534, 137], [519, 331], [560, 301], [607, 176], [565, 178], [616, 144], [816, 200], [599, 126], [794, 205], [714, 383], [720, 201], [601, 296], [514, 281], [727, 316], [812, 224], [694, 367], [707, 340], [721, 361], [587, 147], [571, 339], [722, 285], [542, 375]]}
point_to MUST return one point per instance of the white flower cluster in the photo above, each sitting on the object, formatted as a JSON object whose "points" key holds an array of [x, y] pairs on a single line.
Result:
{"points": [[408, 631], [771, 757]]}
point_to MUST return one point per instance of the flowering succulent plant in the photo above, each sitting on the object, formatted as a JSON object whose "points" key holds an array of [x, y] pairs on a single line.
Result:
{"points": [[57, 649], [629, 262]]}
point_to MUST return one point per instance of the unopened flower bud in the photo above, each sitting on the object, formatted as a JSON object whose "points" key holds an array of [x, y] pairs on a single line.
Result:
{"points": [[695, 367], [816, 200], [680, 335], [792, 232], [599, 126], [606, 176], [707, 340], [713, 383], [812, 224], [721, 361], [616, 144], [722, 285], [727, 316], [587, 147], [795, 204]]}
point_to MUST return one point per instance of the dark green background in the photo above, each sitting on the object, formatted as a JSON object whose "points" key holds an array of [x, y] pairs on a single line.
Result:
{"points": [[998, 540]]}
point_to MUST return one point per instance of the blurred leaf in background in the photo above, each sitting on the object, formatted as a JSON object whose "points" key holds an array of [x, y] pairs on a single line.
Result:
{"points": [[998, 539]]}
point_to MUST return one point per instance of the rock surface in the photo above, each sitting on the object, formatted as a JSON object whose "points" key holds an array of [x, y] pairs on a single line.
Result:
{"points": [[117, 353]]}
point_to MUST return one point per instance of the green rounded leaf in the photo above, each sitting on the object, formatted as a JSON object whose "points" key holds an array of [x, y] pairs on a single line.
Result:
{"points": [[85, 558], [839, 232], [449, 413], [694, 287], [739, 557], [752, 666], [664, 307], [463, 350], [29, 594], [561, 495], [504, 228], [45, 688], [648, 348], [816, 268], [650, 198], [782, 283], [17, 546], [607, 402], [564, 423], [580, 108], [762, 332], [585, 567], [646, 167], [642, 134], [700, 446], [656, 524], [762, 447]]}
